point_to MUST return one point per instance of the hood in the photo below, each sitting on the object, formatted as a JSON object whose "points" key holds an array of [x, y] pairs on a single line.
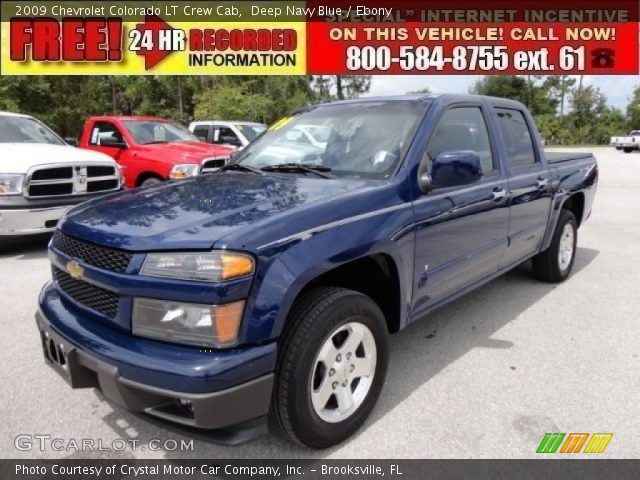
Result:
{"points": [[186, 152], [19, 157], [195, 213]]}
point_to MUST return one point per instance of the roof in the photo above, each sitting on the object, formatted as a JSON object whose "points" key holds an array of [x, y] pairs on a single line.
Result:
{"points": [[453, 97], [132, 118], [235, 122], [13, 114]]}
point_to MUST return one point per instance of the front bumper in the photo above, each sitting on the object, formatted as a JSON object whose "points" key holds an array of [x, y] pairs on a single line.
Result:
{"points": [[18, 222], [142, 382]]}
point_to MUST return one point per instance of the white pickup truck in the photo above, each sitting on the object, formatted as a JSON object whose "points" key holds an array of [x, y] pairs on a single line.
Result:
{"points": [[224, 132], [41, 176], [629, 143]]}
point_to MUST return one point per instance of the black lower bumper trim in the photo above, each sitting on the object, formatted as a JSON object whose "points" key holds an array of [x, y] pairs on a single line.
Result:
{"points": [[233, 406]]}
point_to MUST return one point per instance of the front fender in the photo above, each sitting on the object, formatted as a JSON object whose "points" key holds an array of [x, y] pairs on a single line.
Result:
{"points": [[285, 269]]}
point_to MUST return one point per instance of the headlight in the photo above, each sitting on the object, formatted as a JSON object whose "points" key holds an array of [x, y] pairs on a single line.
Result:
{"points": [[188, 323], [216, 266], [11, 184], [180, 172]]}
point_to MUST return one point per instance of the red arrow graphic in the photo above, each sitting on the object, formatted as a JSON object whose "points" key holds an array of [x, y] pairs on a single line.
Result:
{"points": [[153, 56]]}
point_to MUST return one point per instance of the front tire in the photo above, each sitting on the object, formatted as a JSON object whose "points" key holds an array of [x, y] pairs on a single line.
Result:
{"points": [[150, 181], [627, 149], [555, 263], [331, 367]]}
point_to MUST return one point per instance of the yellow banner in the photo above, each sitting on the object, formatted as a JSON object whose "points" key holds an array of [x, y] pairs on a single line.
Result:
{"points": [[153, 47]]}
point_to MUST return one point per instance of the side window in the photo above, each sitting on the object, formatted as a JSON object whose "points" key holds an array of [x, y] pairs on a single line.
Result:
{"points": [[101, 130], [463, 128], [201, 132], [227, 136], [517, 138]]}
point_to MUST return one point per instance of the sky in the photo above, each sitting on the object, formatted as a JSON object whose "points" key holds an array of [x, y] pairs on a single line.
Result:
{"points": [[617, 88]]}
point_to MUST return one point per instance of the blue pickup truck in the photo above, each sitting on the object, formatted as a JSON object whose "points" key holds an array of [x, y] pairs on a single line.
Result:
{"points": [[264, 294]]}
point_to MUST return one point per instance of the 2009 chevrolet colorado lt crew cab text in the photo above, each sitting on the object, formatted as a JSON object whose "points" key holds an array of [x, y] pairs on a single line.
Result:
{"points": [[267, 291]]}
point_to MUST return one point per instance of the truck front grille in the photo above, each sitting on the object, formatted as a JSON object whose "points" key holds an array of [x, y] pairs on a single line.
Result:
{"points": [[95, 255], [56, 180], [212, 164], [95, 298]]}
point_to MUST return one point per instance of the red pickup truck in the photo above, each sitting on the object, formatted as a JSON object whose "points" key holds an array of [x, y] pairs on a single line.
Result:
{"points": [[151, 150]]}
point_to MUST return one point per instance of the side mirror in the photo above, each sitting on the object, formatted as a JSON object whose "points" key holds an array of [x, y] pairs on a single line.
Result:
{"points": [[112, 142], [73, 141], [451, 169]]}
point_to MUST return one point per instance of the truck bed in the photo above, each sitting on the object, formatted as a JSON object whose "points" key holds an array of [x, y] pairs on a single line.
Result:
{"points": [[559, 157]]}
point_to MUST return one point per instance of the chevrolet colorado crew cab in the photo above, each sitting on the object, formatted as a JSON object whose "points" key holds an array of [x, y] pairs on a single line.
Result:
{"points": [[41, 176], [151, 150], [265, 293]]}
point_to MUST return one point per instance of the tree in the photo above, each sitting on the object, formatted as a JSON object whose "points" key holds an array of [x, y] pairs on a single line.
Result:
{"points": [[515, 87], [345, 86], [423, 91], [633, 110], [559, 87]]}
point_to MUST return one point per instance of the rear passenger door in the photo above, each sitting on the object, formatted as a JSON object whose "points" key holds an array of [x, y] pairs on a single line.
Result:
{"points": [[203, 133], [529, 185], [461, 232]]}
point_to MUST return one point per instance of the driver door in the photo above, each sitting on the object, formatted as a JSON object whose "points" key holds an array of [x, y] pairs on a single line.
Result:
{"points": [[461, 231]]}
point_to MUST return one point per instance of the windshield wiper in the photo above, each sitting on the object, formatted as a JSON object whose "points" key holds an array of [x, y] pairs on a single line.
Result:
{"points": [[240, 168], [318, 170], [156, 142]]}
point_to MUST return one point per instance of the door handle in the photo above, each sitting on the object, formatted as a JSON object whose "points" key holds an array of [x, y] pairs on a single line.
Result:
{"points": [[542, 183], [498, 194]]}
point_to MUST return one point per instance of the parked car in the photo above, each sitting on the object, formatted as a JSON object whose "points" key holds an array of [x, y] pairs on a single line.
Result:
{"points": [[269, 290], [151, 150], [229, 133], [314, 135], [41, 176], [629, 143]]}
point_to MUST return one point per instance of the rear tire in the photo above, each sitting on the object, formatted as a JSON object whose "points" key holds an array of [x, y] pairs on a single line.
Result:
{"points": [[555, 263], [627, 149], [331, 366]]}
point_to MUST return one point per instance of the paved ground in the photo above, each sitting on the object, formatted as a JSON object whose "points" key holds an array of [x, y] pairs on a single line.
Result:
{"points": [[485, 377]]}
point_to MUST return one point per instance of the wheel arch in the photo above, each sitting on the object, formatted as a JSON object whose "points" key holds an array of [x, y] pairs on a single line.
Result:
{"points": [[147, 175], [375, 276], [575, 204]]}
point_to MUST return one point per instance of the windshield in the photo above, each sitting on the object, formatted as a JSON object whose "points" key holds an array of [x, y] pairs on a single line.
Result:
{"points": [[26, 130], [357, 140], [251, 131], [147, 132]]}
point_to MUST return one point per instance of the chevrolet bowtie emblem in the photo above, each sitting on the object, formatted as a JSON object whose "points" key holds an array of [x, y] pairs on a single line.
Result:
{"points": [[74, 269]]}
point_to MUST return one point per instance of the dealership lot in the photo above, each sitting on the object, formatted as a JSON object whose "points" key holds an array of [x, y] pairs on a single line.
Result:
{"points": [[485, 377]]}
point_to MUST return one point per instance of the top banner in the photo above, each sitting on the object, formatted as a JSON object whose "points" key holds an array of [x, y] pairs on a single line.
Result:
{"points": [[314, 37]]}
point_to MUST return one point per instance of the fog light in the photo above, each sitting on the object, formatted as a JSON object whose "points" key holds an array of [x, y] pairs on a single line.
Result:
{"points": [[188, 323], [187, 405]]}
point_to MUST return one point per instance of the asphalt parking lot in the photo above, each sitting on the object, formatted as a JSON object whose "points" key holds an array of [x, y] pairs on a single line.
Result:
{"points": [[485, 377]]}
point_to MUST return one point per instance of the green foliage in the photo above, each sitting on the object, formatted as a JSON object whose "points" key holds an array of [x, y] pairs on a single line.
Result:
{"points": [[526, 90], [565, 113], [633, 110], [66, 102]]}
